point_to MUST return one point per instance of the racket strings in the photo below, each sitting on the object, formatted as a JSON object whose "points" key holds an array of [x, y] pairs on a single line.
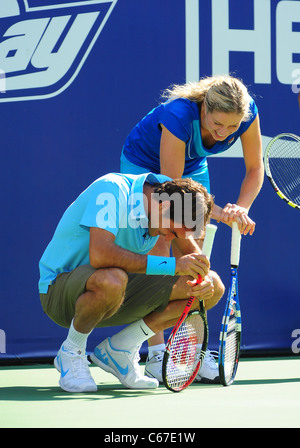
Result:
{"points": [[284, 164], [231, 348], [185, 351]]}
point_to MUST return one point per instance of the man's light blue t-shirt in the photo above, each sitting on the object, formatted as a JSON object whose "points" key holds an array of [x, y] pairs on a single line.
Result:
{"points": [[113, 202]]}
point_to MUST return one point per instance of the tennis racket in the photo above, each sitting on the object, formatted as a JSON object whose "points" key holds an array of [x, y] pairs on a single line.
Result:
{"points": [[230, 335], [187, 343], [282, 166]]}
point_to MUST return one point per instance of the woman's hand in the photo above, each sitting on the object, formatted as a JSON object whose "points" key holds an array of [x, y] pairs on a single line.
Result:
{"points": [[234, 212]]}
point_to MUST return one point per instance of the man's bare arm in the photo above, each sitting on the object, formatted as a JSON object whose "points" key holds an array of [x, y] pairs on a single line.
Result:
{"points": [[104, 253]]}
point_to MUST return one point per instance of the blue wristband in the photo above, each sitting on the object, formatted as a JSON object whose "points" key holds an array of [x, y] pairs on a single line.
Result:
{"points": [[160, 265]]}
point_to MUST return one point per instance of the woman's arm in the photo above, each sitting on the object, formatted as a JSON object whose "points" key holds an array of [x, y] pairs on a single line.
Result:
{"points": [[251, 185], [252, 149], [172, 154]]}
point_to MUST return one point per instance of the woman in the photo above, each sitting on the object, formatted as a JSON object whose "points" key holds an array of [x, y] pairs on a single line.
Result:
{"points": [[197, 120]]}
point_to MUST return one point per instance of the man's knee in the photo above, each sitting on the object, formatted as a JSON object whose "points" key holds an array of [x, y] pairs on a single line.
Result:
{"points": [[108, 290], [111, 280]]}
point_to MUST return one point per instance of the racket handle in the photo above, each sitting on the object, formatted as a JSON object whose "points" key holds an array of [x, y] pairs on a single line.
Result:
{"points": [[235, 245], [210, 231]]}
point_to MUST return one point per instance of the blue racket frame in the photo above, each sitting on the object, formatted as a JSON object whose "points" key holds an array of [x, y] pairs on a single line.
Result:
{"points": [[232, 310]]}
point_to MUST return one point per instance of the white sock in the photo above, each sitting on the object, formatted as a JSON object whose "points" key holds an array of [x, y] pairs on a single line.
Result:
{"points": [[155, 348], [75, 340], [132, 336]]}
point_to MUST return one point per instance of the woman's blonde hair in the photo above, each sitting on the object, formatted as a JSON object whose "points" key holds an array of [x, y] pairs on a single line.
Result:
{"points": [[222, 93]]}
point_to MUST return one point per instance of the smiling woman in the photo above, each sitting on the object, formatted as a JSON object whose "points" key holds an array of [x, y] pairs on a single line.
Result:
{"points": [[197, 120], [219, 125]]}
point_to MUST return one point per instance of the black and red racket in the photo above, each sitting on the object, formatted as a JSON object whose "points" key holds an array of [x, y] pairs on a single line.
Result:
{"points": [[187, 343]]}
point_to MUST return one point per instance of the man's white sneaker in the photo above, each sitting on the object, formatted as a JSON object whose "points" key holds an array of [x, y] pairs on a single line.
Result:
{"points": [[153, 366], [123, 364], [75, 375], [209, 371]]}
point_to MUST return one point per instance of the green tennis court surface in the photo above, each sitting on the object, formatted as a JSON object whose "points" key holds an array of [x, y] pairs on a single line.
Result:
{"points": [[266, 393]]}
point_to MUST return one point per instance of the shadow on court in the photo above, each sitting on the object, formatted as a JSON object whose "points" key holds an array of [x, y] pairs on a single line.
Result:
{"points": [[113, 391], [105, 392], [266, 381]]}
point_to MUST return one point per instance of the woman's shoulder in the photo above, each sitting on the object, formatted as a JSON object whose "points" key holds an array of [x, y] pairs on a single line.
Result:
{"points": [[182, 106], [252, 106]]}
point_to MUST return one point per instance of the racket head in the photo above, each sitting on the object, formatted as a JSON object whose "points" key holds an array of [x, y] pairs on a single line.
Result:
{"points": [[282, 167], [230, 335], [185, 351]]}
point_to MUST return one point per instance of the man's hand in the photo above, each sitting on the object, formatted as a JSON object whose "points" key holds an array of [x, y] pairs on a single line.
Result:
{"points": [[203, 290], [192, 265]]}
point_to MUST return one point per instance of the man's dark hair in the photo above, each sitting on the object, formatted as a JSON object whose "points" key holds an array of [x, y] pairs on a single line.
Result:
{"points": [[187, 189]]}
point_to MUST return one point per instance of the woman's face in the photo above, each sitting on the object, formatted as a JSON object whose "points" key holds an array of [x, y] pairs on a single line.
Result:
{"points": [[221, 124]]}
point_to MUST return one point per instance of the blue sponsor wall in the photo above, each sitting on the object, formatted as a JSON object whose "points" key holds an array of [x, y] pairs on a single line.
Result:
{"points": [[75, 77]]}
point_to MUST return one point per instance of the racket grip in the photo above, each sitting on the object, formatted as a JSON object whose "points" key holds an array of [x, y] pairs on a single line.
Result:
{"points": [[235, 245], [210, 231]]}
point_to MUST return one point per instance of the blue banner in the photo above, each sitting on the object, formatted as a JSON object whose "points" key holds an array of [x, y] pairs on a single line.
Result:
{"points": [[76, 76]]}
